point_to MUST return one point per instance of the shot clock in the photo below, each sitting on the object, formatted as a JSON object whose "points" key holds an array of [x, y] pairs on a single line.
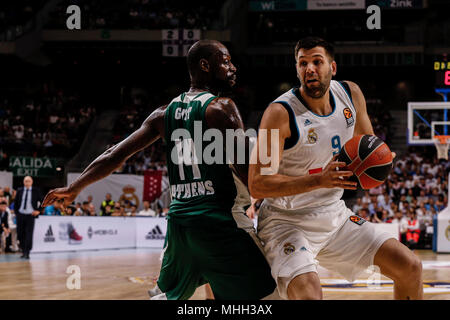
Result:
{"points": [[442, 73]]}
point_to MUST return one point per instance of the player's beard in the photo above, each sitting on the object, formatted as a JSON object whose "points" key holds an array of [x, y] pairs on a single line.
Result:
{"points": [[316, 92], [319, 91]]}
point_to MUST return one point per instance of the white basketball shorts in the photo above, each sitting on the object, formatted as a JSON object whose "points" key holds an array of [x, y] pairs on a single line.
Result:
{"points": [[296, 242]]}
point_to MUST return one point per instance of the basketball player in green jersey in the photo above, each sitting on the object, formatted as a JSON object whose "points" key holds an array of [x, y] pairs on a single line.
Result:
{"points": [[203, 243]]}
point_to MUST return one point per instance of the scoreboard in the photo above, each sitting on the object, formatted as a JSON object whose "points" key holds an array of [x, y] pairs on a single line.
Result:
{"points": [[442, 73], [176, 42]]}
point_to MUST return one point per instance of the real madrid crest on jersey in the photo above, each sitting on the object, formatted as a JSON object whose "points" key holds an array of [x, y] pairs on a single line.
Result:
{"points": [[348, 114], [288, 248], [312, 136]]}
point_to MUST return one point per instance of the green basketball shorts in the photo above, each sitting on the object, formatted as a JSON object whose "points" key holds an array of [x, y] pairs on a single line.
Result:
{"points": [[226, 257]]}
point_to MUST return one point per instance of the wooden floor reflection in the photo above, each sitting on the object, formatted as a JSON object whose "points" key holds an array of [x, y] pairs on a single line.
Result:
{"points": [[128, 274]]}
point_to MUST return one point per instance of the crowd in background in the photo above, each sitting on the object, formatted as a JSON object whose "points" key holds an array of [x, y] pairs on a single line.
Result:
{"points": [[16, 17], [411, 27], [381, 119], [415, 191], [152, 158], [109, 207], [50, 123], [140, 14]]}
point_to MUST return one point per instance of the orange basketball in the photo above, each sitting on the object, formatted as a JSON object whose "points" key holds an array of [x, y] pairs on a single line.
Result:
{"points": [[369, 158]]}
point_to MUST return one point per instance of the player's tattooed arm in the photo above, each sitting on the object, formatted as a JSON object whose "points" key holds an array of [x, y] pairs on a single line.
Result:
{"points": [[363, 124], [105, 164], [223, 114], [264, 179]]}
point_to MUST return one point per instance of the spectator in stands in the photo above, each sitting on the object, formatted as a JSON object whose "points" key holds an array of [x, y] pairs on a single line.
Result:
{"points": [[85, 209], [12, 225], [357, 205], [422, 197], [69, 211], [78, 210], [366, 197], [386, 217], [117, 210], [4, 226], [413, 231], [364, 213], [8, 195], [393, 208], [91, 209], [131, 212], [107, 202], [146, 211], [54, 209], [440, 203], [122, 211], [402, 225], [384, 201], [108, 211], [410, 196]]}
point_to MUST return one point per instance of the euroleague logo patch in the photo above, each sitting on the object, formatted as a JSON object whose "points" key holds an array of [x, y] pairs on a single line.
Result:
{"points": [[348, 114], [357, 220]]}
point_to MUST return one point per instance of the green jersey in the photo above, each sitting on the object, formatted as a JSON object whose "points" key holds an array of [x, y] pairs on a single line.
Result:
{"points": [[201, 191]]}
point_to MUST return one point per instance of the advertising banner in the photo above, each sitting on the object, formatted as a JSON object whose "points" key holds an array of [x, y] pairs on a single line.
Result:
{"points": [[150, 232], [277, 5], [397, 4], [336, 4], [443, 231], [59, 233]]}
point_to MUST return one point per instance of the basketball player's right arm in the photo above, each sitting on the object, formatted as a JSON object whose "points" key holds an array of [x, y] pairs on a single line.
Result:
{"points": [[105, 164], [265, 182]]}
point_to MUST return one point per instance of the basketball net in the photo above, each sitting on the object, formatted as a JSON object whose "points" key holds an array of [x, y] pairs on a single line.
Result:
{"points": [[442, 143]]}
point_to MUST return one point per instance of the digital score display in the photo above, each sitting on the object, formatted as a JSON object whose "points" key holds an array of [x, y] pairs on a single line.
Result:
{"points": [[442, 74]]}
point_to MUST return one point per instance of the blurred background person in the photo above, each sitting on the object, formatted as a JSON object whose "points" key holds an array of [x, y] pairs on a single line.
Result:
{"points": [[146, 211], [27, 205]]}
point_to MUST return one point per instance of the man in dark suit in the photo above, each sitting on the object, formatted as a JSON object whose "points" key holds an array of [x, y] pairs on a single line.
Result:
{"points": [[27, 205]]}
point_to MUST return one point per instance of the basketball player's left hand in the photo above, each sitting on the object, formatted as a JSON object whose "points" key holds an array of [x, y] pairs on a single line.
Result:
{"points": [[66, 194]]}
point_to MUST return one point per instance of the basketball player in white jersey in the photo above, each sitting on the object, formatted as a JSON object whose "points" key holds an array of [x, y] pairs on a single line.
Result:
{"points": [[303, 221]]}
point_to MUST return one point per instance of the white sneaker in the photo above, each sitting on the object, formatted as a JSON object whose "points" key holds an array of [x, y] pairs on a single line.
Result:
{"points": [[154, 292], [161, 296]]}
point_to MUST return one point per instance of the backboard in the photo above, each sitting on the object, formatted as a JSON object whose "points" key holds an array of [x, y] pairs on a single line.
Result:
{"points": [[426, 120]]}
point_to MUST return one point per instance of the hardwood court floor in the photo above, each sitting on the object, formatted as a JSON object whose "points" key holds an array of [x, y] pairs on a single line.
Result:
{"points": [[129, 273]]}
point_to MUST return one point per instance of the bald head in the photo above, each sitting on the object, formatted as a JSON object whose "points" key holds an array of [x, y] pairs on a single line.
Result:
{"points": [[28, 181], [203, 49]]}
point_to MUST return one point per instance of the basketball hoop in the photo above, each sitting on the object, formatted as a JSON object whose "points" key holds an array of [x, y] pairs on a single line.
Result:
{"points": [[442, 143]]}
